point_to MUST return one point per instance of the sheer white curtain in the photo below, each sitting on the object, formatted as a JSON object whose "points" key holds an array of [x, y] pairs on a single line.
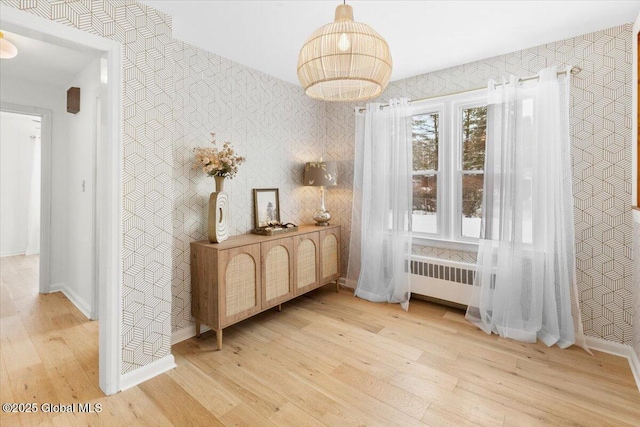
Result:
{"points": [[380, 245], [33, 224], [525, 286]]}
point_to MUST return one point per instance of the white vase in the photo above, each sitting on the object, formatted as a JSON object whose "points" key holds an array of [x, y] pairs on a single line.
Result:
{"points": [[219, 183], [218, 230]]}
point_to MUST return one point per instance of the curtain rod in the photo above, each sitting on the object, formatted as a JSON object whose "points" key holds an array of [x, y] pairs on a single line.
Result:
{"points": [[575, 70]]}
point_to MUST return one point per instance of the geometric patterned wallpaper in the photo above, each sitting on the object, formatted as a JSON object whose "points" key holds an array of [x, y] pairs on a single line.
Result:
{"points": [[170, 107], [636, 279], [147, 188], [270, 122], [600, 120]]}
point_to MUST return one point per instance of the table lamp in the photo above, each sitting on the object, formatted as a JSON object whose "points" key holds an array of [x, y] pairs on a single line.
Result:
{"points": [[321, 174]]}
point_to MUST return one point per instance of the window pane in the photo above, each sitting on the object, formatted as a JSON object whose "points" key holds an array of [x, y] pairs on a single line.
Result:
{"points": [[471, 204], [425, 207], [425, 142], [474, 134]]}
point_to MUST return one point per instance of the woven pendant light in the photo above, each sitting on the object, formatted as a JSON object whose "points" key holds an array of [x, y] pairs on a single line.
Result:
{"points": [[344, 60]]}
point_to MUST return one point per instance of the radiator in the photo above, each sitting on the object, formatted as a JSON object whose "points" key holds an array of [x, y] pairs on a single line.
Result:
{"points": [[446, 280]]}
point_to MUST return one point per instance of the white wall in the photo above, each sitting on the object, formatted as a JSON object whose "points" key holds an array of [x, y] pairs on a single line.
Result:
{"points": [[73, 152], [81, 152], [16, 163], [52, 98]]}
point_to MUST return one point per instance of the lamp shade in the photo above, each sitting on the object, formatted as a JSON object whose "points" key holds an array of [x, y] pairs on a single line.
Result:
{"points": [[344, 60], [7, 49], [321, 174]]}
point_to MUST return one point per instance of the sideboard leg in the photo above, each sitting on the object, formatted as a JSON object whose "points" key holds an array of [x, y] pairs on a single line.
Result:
{"points": [[279, 307], [197, 328], [337, 286], [219, 338]]}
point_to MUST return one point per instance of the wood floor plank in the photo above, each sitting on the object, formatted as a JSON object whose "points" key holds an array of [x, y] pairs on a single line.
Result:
{"points": [[291, 416], [177, 406], [279, 373], [82, 343], [250, 388], [16, 345], [438, 416], [578, 391], [73, 384], [474, 410], [6, 396], [208, 392], [328, 359], [7, 306], [33, 385], [507, 388], [200, 352], [52, 349], [398, 398], [359, 408], [351, 317], [134, 408], [274, 351], [332, 356], [243, 416]]}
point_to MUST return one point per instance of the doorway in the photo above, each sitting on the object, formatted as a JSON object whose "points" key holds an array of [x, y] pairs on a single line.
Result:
{"points": [[87, 186], [20, 141]]}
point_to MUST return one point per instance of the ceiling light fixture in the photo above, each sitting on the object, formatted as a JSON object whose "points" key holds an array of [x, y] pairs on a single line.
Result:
{"points": [[344, 60], [7, 49]]}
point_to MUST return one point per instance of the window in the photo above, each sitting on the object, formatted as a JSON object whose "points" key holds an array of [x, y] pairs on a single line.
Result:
{"points": [[449, 136], [474, 135], [425, 172]]}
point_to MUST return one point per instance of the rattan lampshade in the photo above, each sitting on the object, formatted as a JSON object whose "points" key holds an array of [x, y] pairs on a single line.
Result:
{"points": [[344, 60]]}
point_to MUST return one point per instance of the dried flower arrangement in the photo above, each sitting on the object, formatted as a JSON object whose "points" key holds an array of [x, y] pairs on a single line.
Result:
{"points": [[217, 162]]}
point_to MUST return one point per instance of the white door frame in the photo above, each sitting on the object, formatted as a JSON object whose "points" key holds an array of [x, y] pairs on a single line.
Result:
{"points": [[99, 97], [46, 139], [108, 184]]}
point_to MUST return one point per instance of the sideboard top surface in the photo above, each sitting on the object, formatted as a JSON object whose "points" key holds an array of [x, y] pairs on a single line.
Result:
{"points": [[251, 239]]}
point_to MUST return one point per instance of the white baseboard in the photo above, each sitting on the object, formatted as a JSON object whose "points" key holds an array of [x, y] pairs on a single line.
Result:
{"points": [[186, 333], [344, 283], [81, 304], [146, 372], [5, 254], [56, 287], [617, 349]]}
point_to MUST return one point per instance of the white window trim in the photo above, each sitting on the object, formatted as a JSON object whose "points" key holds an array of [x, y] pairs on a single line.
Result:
{"points": [[449, 197]]}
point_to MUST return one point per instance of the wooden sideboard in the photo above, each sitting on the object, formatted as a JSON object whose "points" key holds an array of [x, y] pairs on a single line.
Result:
{"points": [[245, 275]]}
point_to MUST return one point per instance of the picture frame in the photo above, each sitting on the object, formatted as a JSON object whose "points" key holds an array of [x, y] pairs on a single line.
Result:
{"points": [[266, 206]]}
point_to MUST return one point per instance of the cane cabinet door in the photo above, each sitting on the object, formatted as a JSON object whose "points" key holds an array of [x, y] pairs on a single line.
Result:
{"points": [[329, 255], [307, 262], [240, 294], [277, 274]]}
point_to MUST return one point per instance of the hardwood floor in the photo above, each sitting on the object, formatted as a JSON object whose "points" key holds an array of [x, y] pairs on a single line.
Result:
{"points": [[328, 359]]}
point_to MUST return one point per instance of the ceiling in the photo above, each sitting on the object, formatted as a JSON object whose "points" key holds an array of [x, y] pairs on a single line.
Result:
{"points": [[423, 36], [40, 61]]}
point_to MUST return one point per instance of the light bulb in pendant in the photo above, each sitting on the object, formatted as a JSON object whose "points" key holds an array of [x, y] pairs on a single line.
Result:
{"points": [[344, 44], [7, 49]]}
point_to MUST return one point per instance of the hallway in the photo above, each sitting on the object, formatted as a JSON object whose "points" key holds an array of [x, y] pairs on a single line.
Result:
{"points": [[49, 349]]}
